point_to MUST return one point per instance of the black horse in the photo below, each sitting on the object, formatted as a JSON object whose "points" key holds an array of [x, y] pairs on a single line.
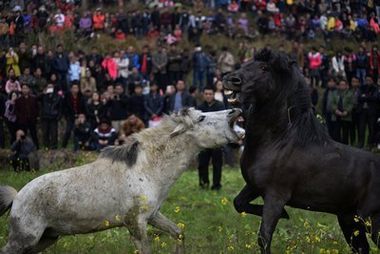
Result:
{"points": [[289, 158]]}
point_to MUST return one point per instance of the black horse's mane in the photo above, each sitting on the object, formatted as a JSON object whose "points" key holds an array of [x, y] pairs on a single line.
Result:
{"points": [[303, 126]]}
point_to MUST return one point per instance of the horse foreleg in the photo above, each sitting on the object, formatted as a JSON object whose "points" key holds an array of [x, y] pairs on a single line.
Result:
{"points": [[354, 232], [161, 222], [243, 199], [273, 207], [139, 235]]}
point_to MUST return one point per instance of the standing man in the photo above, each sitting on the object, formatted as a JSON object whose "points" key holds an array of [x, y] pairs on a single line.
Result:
{"points": [[181, 98], [367, 107], [73, 105], [216, 154], [26, 109], [160, 62]]}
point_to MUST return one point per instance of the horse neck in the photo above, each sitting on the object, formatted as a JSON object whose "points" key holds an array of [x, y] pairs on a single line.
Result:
{"points": [[265, 125], [175, 156]]}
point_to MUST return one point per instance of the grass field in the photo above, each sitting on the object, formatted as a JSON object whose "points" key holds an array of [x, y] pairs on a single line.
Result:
{"points": [[210, 223]]}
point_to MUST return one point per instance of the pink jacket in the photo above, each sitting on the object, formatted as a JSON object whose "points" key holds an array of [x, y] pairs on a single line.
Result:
{"points": [[315, 60], [111, 67]]}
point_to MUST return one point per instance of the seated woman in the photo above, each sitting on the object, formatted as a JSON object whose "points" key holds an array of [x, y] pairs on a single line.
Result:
{"points": [[21, 148], [104, 135]]}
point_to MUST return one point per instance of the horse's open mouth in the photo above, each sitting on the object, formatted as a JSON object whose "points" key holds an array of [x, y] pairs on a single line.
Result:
{"points": [[235, 118], [232, 96]]}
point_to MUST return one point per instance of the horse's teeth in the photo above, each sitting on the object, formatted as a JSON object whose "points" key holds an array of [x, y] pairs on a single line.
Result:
{"points": [[228, 92]]}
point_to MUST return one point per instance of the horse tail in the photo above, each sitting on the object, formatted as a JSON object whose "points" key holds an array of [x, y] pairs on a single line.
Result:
{"points": [[7, 195]]}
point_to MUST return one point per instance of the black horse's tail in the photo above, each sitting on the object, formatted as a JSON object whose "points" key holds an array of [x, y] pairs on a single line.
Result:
{"points": [[7, 195]]}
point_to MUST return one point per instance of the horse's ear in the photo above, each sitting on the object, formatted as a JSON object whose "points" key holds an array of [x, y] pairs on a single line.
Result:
{"points": [[281, 63], [181, 128]]}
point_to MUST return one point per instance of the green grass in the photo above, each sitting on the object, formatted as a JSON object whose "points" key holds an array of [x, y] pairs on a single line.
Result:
{"points": [[211, 223]]}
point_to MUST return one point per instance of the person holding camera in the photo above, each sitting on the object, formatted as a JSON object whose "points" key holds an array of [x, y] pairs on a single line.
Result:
{"points": [[21, 148]]}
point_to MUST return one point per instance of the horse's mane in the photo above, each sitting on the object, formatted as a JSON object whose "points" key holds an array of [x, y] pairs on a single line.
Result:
{"points": [[156, 136], [303, 126]]}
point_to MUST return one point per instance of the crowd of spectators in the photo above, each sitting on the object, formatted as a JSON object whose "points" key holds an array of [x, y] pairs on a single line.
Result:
{"points": [[172, 21], [100, 98]]}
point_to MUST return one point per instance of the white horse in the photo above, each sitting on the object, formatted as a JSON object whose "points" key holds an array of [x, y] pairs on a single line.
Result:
{"points": [[125, 186]]}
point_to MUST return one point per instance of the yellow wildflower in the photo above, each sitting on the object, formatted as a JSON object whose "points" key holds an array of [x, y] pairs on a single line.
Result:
{"points": [[177, 209], [224, 201], [230, 248], [181, 225], [356, 232], [157, 238], [163, 244], [220, 229], [106, 223], [243, 214], [118, 218], [248, 246]]}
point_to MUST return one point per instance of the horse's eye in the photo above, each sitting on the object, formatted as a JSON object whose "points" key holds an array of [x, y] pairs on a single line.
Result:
{"points": [[201, 118]]}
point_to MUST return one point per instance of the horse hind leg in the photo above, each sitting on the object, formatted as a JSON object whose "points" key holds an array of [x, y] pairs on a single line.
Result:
{"points": [[22, 238], [48, 238], [354, 232]]}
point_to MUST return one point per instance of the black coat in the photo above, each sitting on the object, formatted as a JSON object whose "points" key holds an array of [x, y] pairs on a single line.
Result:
{"points": [[118, 108], [136, 106], [154, 104], [68, 109], [51, 106], [368, 95], [213, 106]]}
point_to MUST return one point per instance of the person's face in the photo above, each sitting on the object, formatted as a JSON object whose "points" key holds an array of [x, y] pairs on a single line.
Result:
{"points": [[119, 90], [75, 89], [81, 118], [110, 89], [95, 97], [208, 95], [27, 71], [60, 49], [14, 96], [219, 86], [11, 73], [180, 85], [132, 119], [138, 90], [25, 90], [38, 72], [53, 77], [154, 88], [369, 81], [355, 83], [103, 126], [343, 85], [331, 84]]}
